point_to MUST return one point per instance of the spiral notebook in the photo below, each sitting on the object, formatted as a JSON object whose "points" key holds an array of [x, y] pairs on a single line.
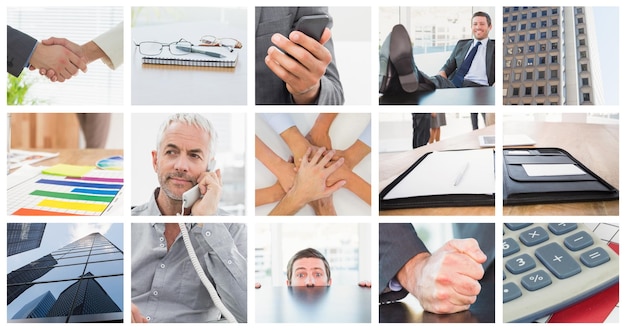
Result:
{"points": [[194, 59]]}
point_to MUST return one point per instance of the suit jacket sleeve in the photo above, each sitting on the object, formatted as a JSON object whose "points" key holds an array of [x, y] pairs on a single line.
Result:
{"points": [[19, 48], [456, 57], [398, 243], [270, 89], [111, 43]]}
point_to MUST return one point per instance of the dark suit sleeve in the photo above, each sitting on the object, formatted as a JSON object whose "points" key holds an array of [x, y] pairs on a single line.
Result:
{"points": [[491, 62], [398, 243], [19, 48]]}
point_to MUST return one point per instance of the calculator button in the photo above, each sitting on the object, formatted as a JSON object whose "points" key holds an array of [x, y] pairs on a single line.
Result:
{"points": [[561, 228], [536, 280], [520, 264], [578, 241], [557, 260], [509, 246], [594, 257], [517, 226], [511, 291], [533, 236]]}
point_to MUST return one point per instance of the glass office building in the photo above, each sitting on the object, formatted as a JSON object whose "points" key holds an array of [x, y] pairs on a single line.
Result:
{"points": [[23, 237], [550, 57], [81, 282]]}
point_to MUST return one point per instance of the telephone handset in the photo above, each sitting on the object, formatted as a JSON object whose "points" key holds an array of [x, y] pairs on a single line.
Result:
{"points": [[192, 195]]}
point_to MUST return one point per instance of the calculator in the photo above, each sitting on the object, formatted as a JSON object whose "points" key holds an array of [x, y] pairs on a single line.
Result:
{"points": [[550, 266]]}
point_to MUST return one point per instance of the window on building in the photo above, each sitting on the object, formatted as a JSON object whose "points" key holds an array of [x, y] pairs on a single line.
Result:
{"points": [[520, 50], [540, 90], [533, 25], [583, 54], [518, 62], [522, 26], [511, 40], [554, 74], [583, 67], [542, 35], [581, 31], [506, 76], [586, 97], [509, 50], [580, 20], [528, 91], [531, 48], [515, 91], [514, 18], [581, 42], [555, 21], [505, 19], [585, 81], [533, 14], [507, 9], [522, 37], [544, 13], [542, 47], [579, 10], [554, 11], [541, 75], [513, 28], [507, 63], [553, 89], [531, 36], [524, 16], [529, 75], [555, 33], [542, 60], [530, 61], [554, 46], [544, 23], [518, 76], [554, 59]]}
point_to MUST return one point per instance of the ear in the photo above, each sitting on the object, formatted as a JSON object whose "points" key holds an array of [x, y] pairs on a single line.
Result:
{"points": [[154, 160], [330, 281], [288, 282]]}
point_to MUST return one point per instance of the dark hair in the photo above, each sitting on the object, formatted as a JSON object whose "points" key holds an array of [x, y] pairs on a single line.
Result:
{"points": [[483, 14], [307, 253]]}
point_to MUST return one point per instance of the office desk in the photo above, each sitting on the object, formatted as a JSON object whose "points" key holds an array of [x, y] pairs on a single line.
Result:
{"points": [[408, 310], [187, 85], [333, 304], [594, 145], [391, 165], [446, 96]]}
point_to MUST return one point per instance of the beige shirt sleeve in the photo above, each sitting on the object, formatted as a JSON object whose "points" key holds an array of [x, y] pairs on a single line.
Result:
{"points": [[111, 43]]}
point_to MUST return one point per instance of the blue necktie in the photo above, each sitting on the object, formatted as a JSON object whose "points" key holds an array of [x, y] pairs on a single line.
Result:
{"points": [[459, 76]]}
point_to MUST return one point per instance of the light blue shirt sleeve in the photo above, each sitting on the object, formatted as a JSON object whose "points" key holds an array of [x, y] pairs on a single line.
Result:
{"points": [[366, 135], [279, 122]]}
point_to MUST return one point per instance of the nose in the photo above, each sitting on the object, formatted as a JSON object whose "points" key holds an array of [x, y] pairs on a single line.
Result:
{"points": [[310, 281], [181, 164]]}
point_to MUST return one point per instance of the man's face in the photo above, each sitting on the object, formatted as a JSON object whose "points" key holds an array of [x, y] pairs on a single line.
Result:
{"points": [[181, 158], [309, 272], [480, 28]]}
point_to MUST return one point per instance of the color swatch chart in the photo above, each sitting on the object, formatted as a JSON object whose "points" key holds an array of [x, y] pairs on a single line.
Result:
{"points": [[66, 190]]}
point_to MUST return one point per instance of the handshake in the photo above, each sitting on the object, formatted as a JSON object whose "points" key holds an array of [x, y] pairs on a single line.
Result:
{"points": [[60, 59]]}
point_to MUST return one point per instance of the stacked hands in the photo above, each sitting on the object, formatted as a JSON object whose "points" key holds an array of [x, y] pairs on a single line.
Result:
{"points": [[60, 59], [316, 173]]}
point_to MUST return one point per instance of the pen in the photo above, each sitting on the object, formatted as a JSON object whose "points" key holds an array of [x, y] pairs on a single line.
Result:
{"points": [[199, 51], [459, 176]]}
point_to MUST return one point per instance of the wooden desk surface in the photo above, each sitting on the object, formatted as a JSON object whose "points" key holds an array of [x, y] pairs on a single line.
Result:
{"points": [[391, 165], [445, 96], [594, 145], [187, 85]]}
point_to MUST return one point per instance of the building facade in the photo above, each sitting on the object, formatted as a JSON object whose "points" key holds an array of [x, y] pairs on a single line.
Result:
{"points": [[22, 237], [81, 282], [550, 57]]}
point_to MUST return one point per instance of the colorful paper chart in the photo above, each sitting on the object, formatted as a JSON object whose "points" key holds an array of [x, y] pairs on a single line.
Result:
{"points": [[115, 163], [91, 193]]}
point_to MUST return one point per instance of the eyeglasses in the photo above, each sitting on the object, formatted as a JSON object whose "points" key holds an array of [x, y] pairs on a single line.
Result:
{"points": [[155, 48], [229, 43]]}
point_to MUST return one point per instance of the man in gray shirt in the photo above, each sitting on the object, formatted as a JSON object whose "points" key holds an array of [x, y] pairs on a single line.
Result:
{"points": [[165, 285], [186, 146]]}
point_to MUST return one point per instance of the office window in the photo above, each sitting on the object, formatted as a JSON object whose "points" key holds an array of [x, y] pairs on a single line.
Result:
{"points": [[509, 50], [524, 16], [542, 60], [533, 14], [555, 21], [585, 81], [504, 29], [554, 11], [581, 31], [542, 47], [554, 59], [506, 76], [522, 37], [583, 67], [531, 48], [554, 74], [533, 25], [528, 91], [522, 26], [515, 91], [553, 89], [515, 8], [541, 75], [507, 63], [511, 40], [579, 10], [520, 50], [544, 23], [554, 46], [544, 13], [518, 76], [529, 76], [586, 97], [540, 90], [542, 35], [505, 19], [583, 54], [555, 33], [530, 61], [513, 28], [581, 42], [507, 9], [518, 62], [514, 18], [580, 20], [531, 36]]}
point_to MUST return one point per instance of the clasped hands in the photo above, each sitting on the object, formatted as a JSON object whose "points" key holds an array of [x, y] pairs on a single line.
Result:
{"points": [[60, 59]]}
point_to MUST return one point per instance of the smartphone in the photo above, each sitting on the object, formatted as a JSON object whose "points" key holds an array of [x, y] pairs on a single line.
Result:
{"points": [[192, 195], [312, 25]]}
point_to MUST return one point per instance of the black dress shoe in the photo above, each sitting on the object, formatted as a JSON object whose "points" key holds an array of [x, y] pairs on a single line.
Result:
{"points": [[401, 56]]}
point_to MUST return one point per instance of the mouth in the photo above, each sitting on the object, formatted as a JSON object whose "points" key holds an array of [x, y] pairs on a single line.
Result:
{"points": [[179, 181]]}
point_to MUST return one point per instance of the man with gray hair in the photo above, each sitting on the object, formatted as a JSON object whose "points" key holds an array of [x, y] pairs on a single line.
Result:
{"points": [[184, 151]]}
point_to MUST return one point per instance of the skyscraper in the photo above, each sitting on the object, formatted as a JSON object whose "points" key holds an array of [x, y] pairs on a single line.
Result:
{"points": [[85, 276], [23, 237], [550, 57]]}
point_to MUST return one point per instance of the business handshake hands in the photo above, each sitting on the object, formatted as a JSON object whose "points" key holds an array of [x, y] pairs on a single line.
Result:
{"points": [[60, 59]]}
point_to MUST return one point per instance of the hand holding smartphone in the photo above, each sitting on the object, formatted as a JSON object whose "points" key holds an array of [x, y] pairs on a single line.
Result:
{"points": [[312, 25]]}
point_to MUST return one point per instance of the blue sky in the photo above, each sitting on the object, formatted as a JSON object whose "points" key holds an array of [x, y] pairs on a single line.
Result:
{"points": [[607, 34]]}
